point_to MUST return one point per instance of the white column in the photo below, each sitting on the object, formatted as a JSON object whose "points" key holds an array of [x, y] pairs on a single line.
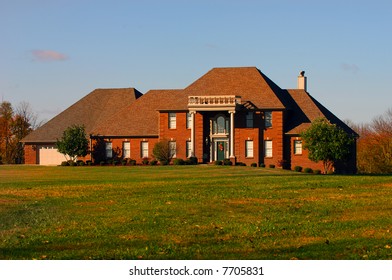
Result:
{"points": [[192, 133], [232, 134]]}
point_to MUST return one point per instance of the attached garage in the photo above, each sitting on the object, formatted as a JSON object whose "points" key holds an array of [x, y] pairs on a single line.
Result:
{"points": [[49, 155]]}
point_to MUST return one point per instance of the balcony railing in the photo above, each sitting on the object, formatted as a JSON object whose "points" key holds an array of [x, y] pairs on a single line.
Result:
{"points": [[213, 101]]}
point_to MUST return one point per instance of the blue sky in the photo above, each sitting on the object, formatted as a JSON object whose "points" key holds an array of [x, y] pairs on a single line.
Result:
{"points": [[52, 53]]}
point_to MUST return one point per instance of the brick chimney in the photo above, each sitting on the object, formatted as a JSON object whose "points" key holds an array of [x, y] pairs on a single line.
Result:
{"points": [[302, 81]]}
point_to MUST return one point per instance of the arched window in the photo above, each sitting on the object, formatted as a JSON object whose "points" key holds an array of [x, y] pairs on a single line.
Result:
{"points": [[221, 125]]}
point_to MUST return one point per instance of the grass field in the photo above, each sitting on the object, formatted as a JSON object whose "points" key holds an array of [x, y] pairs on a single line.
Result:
{"points": [[192, 212]]}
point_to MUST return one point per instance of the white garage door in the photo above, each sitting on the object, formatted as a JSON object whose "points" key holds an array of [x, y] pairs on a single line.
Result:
{"points": [[49, 155]]}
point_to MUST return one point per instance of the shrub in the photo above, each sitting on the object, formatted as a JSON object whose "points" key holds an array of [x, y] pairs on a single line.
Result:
{"points": [[64, 163], [308, 170], [115, 162], [153, 162], [254, 164], [218, 162], [240, 164], [124, 162], [102, 163], [132, 162], [72, 163], [145, 161], [81, 163], [330, 172], [262, 165], [163, 162], [317, 171], [178, 161], [193, 160], [298, 168], [227, 161], [89, 162], [271, 166]]}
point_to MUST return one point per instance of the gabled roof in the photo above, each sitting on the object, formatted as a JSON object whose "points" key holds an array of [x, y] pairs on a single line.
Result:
{"points": [[247, 82], [304, 109], [89, 111], [140, 119]]}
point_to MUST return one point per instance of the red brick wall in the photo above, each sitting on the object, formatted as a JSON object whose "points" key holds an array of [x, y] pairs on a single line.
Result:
{"points": [[275, 134], [31, 156]]}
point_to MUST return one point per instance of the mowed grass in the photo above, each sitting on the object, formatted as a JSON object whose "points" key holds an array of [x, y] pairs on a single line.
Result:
{"points": [[192, 212]]}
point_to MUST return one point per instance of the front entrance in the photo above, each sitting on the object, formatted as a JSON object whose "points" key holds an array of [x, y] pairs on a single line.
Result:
{"points": [[220, 150]]}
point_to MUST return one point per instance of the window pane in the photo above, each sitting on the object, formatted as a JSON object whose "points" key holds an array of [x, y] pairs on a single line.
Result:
{"points": [[249, 148], [298, 147], [144, 150], [188, 120], [109, 150], [172, 147], [268, 148], [268, 118], [126, 150], [249, 119], [188, 149], [172, 120]]}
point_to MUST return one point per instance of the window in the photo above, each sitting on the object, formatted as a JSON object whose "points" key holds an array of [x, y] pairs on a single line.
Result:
{"points": [[172, 120], [144, 149], [249, 119], [268, 119], [126, 149], [298, 147], [188, 149], [268, 148], [249, 148], [221, 125], [188, 120], [109, 149], [173, 149]]}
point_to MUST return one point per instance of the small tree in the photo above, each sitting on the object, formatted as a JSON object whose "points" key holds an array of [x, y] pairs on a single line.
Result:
{"points": [[162, 151], [327, 142], [73, 143]]}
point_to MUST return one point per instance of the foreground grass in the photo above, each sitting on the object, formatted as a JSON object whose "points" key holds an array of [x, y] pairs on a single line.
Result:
{"points": [[191, 212]]}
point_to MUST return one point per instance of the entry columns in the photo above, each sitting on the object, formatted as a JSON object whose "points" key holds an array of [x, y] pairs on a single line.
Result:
{"points": [[232, 134], [192, 132]]}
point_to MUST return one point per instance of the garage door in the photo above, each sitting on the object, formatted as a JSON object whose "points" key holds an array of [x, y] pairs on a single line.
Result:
{"points": [[49, 155]]}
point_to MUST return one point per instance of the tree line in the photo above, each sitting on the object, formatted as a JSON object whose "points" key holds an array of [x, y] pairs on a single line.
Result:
{"points": [[374, 146], [15, 124]]}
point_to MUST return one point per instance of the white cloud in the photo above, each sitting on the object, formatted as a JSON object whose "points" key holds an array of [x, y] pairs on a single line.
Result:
{"points": [[48, 55]]}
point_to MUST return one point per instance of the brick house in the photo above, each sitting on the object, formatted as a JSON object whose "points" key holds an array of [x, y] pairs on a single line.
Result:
{"points": [[229, 113]]}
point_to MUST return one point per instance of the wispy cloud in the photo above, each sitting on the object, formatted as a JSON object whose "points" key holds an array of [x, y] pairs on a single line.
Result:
{"points": [[48, 55], [353, 68]]}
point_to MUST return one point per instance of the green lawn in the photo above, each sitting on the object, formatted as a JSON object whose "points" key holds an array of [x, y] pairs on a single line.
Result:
{"points": [[191, 212]]}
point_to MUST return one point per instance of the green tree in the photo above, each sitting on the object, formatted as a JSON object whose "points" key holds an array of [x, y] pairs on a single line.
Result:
{"points": [[327, 142], [73, 143]]}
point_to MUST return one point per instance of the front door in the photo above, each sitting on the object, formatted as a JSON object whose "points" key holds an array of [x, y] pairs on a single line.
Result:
{"points": [[220, 150]]}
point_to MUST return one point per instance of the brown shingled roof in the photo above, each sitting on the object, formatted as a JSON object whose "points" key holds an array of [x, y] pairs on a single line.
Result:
{"points": [[89, 111], [247, 82], [141, 117], [304, 109]]}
